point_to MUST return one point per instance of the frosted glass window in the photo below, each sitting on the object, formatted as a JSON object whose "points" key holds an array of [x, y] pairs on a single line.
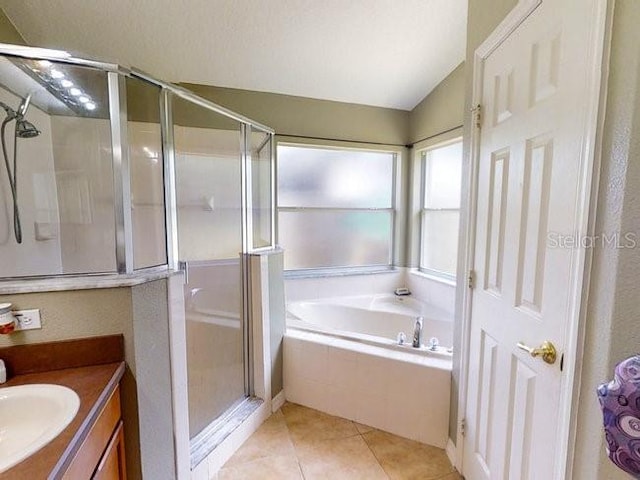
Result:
{"points": [[335, 207], [321, 177], [442, 175], [443, 171], [261, 189], [440, 240], [313, 239]]}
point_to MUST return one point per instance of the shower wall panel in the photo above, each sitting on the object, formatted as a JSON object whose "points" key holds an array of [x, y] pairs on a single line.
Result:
{"points": [[40, 251], [208, 191], [147, 194], [84, 173]]}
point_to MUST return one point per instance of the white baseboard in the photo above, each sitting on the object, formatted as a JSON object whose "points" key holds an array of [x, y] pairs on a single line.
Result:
{"points": [[450, 449], [277, 401]]}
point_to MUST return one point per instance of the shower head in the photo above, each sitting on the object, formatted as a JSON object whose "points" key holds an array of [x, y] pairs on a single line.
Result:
{"points": [[26, 129], [24, 105]]}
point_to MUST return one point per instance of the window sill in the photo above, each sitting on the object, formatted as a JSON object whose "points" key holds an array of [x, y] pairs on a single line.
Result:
{"points": [[432, 277], [343, 272]]}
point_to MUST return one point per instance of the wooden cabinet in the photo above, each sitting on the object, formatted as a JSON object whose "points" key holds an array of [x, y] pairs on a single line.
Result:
{"points": [[101, 455], [112, 465]]}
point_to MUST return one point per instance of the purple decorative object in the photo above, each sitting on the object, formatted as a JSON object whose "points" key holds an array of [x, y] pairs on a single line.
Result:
{"points": [[620, 402]]}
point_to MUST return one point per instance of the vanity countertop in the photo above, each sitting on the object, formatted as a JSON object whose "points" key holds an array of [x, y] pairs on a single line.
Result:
{"points": [[94, 384]]}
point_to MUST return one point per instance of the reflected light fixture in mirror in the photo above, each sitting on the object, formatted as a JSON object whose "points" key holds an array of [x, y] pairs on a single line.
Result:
{"points": [[56, 80]]}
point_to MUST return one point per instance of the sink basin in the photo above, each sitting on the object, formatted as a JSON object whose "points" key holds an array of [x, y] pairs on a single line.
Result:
{"points": [[30, 417]]}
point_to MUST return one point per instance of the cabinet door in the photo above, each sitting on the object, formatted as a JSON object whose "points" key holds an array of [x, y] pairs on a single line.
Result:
{"points": [[112, 464], [93, 447]]}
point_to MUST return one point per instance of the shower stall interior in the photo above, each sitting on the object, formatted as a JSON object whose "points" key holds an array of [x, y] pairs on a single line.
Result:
{"points": [[108, 171]]}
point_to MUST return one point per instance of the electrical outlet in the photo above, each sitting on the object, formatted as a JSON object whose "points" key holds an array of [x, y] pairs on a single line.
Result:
{"points": [[27, 319]]}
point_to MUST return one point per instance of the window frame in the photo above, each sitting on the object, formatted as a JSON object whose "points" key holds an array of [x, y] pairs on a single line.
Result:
{"points": [[248, 165], [344, 270], [423, 153]]}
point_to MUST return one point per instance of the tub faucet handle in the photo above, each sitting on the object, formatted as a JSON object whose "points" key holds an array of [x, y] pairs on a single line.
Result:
{"points": [[417, 332]]}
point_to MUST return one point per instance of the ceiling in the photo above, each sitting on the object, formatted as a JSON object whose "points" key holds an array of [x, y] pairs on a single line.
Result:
{"points": [[388, 53]]}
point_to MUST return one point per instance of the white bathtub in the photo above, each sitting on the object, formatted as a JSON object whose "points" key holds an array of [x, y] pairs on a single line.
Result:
{"points": [[374, 319], [341, 357]]}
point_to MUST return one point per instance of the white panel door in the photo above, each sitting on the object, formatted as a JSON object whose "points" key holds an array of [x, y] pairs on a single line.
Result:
{"points": [[531, 172]]}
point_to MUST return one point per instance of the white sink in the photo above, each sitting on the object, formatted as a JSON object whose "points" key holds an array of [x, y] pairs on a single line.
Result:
{"points": [[30, 417]]}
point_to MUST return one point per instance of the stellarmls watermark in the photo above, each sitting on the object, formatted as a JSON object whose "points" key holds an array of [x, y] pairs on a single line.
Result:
{"points": [[616, 240]]}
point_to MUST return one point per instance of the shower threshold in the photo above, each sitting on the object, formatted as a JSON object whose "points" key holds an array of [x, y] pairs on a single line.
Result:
{"points": [[206, 441]]}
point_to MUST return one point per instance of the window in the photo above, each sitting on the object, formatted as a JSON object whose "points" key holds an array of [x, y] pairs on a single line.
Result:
{"points": [[261, 190], [440, 209], [335, 207]]}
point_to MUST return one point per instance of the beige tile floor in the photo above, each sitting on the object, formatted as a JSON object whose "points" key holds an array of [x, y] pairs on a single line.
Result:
{"points": [[300, 443]]}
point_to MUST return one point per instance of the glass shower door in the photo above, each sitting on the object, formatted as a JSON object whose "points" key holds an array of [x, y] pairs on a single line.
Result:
{"points": [[209, 224]]}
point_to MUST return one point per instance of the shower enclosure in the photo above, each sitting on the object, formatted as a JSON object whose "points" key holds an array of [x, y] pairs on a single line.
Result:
{"points": [[109, 171]]}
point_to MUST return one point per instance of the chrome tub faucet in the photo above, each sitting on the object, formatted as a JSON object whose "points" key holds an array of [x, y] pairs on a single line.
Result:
{"points": [[417, 333]]}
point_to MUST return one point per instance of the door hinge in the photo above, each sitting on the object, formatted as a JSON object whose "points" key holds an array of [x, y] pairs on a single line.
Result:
{"points": [[471, 279], [477, 116], [184, 268], [463, 427]]}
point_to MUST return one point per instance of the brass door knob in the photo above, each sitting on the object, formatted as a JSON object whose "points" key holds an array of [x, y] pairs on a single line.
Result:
{"points": [[547, 351]]}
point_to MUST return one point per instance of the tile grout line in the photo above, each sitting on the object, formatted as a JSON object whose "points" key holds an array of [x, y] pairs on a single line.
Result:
{"points": [[447, 474], [444, 475], [355, 424], [356, 434], [295, 451], [373, 453]]}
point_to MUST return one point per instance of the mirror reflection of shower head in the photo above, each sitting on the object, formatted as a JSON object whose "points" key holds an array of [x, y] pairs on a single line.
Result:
{"points": [[26, 129], [23, 129], [24, 105], [11, 114]]}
